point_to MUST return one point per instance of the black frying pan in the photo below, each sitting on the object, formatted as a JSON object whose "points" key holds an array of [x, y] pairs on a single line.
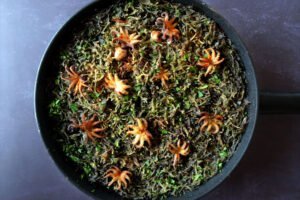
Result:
{"points": [[271, 103]]}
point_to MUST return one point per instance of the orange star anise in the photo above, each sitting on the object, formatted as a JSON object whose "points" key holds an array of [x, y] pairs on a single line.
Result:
{"points": [[211, 61], [120, 54], [169, 27], [119, 86], [89, 127], [75, 80], [125, 68], [126, 39], [163, 76], [182, 149], [141, 133], [155, 36], [118, 20], [211, 122], [118, 176]]}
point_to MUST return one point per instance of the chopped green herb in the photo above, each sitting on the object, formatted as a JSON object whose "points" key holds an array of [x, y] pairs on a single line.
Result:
{"points": [[216, 79], [220, 165], [75, 159], [224, 153], [55, 107], [186, 57], [126, 98], [187, 105], [203, 87], [87, 169], [138, 87], [117, 143], [164, 132], [200, 94], [194, 69], [73, 107], [198, 177], [95, 95]]}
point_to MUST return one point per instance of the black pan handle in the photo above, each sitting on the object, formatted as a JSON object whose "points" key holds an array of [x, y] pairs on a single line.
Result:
{"points": [[279, 103]]}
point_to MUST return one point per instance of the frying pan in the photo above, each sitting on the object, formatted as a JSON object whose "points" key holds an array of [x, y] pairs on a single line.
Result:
{"points": [[270, 103]]}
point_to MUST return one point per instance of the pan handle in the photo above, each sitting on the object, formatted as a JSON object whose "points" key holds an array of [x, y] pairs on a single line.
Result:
{"points": [[279, 103]]}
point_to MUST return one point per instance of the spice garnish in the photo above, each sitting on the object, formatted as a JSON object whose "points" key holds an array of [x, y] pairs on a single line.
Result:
{"points": [[140, 132], [163, 76], [211, 122], [76, 82], [211, 61], [169, 27], [89, 127], [119, 86], [120, 53], [126, 39], [117, 176], [182, 149], [156, 36]]}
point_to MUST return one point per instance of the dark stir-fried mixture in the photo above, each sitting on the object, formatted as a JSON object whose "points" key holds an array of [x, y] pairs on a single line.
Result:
{"points": [[149, 100]]}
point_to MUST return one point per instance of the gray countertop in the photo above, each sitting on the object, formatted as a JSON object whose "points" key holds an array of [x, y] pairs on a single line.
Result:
{"points": [[269, 170]]}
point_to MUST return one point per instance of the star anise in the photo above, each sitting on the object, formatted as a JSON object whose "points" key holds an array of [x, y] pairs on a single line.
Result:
{"points": [[126, 39], [76, 82], [141, 133], [182, 149], [118, 176], [211, 61], [119, 86], [169, 27], [120, 54], [118, 20], [89, 127], [211, 122], [125, 68], [156, 36], [163, 76]]}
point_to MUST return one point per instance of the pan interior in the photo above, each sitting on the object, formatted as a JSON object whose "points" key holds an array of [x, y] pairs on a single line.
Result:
{"points": [[48, 71]]}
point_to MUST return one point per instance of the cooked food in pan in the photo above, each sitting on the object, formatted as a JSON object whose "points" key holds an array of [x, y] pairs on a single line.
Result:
{"points": [[149, 100]]}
